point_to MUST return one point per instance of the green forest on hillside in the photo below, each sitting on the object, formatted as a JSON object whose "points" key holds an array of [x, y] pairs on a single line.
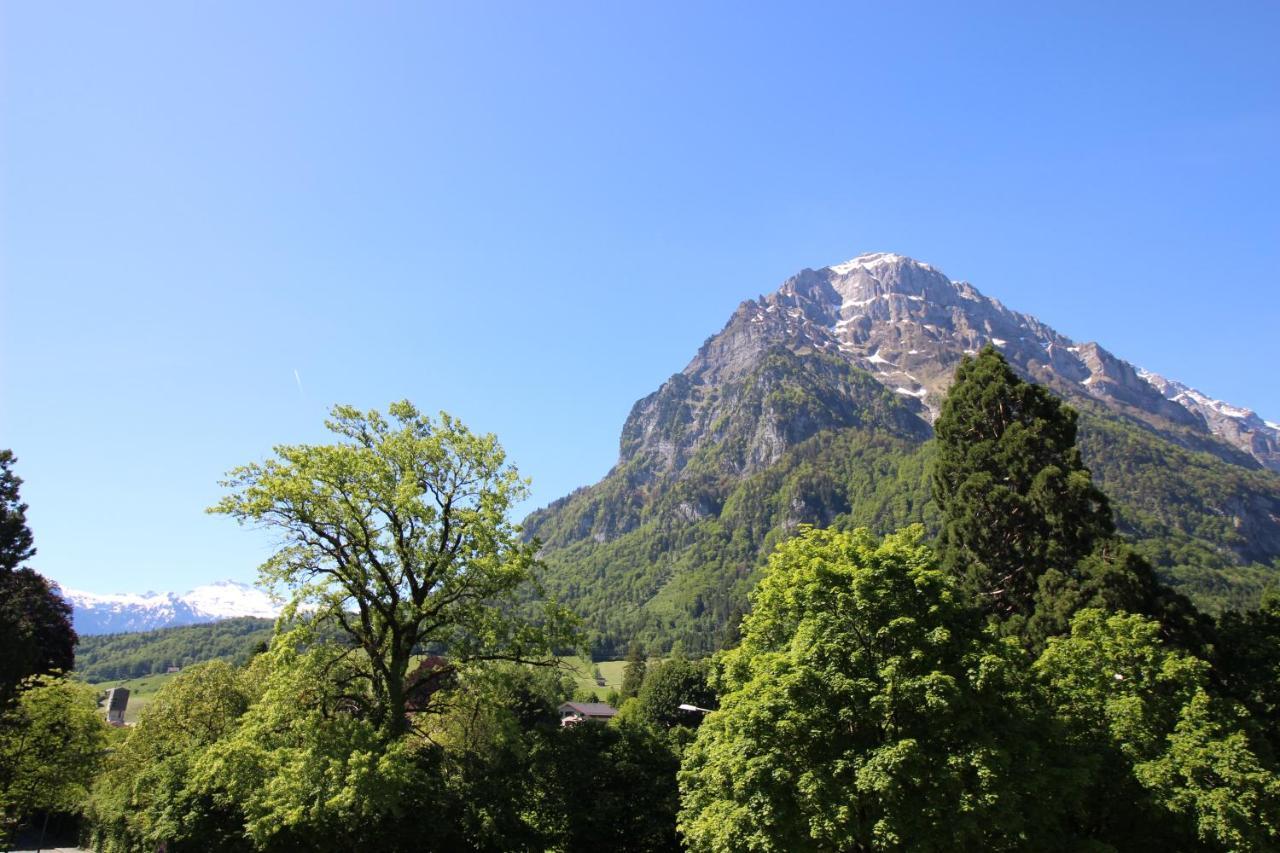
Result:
{"points": [[111, 657], [677, 580]]}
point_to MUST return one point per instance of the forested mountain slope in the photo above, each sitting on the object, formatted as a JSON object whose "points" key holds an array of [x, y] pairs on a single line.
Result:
{"points": [[107, 657], [813, 406]]}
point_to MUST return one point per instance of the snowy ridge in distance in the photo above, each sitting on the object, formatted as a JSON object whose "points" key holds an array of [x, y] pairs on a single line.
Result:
{"points": [[95, 613]]}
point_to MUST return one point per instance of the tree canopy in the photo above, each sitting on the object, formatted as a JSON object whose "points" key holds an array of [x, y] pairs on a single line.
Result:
{"points": [[864, 710], [1168, 763], [1016, 499], [1023, 526], [52, 740], [16, 543], [398, 534], [35, 620]]}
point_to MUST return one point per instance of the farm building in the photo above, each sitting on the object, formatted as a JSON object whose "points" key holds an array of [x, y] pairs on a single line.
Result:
{"points": [[117, 702], [572, 713]]}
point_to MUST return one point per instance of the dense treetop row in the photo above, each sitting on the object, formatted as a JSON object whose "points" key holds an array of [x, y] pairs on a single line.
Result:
{"points": [[1014, 675]]}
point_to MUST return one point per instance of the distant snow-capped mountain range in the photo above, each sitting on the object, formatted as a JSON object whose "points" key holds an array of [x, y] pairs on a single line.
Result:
{"points": [[115, 613]]}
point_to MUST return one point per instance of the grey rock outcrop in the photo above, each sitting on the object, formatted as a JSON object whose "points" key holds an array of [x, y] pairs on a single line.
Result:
{"points": [[909, 325]]}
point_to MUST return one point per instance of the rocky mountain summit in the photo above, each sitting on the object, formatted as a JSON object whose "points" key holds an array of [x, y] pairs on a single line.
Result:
{"points": [[909, 325], [814, 405]]}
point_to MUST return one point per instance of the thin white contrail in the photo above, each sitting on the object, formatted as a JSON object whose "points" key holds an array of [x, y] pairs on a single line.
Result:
{"points": [[298, 379]]}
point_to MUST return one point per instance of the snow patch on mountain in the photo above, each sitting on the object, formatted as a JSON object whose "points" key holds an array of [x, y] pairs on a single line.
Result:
{"points": [[873, 259], [97, 613], [880, 308], [1204, 405]]}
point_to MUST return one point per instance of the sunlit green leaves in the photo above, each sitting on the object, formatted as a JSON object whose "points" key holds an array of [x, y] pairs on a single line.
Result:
{"points": [[399, 536], [858, 713], [52, 740]]}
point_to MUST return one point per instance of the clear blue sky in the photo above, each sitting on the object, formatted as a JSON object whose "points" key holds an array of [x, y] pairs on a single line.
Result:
{"points": [[531, 214]]}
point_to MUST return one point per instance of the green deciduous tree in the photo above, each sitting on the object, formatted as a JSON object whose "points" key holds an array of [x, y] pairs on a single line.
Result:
{"points": [[1016, 500], [1169, 766], [51, 742], [146, 796], [865, 709], [399, 535], [304, 772], [605, 787], [670, 684], [1248, 662]]}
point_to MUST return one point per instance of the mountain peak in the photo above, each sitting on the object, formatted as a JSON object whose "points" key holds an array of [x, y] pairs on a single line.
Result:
{"points": [[872, 260], [909, 325]]}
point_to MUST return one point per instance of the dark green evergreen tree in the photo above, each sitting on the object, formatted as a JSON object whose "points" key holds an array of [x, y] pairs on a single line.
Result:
{"points": [[1022, 523], [36, 636], [1016, 500], [15, 537], [633, 674], [35, 621]]}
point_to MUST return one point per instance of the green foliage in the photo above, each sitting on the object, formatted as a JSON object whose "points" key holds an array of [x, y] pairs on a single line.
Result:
{"points": [[398, 536], [516, 781], [35, 621], [35, 629], [865, 710], [670, 684], [1015, 498], [1212, 774], [115, 657], [489, 734], [1248, 662], [605, 787], [51, 742], [147, 796], [303, 774], [633, 675], [1169, 765], [16, 544]]}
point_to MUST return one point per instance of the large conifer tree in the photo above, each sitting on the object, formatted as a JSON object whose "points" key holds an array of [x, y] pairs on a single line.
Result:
{"points": [[1016, 499], [35, 620], [1023, 526]]}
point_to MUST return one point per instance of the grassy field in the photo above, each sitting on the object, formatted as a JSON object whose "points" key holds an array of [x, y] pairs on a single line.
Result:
{"points": [[610, 670], [141, 691]]}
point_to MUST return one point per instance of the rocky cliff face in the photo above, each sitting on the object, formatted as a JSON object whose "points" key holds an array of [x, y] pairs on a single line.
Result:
{"points": [[908, 325], [753, 397]]}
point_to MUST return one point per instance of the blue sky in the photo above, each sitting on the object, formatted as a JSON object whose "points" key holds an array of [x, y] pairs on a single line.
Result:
{"points": [[530, 215]]}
